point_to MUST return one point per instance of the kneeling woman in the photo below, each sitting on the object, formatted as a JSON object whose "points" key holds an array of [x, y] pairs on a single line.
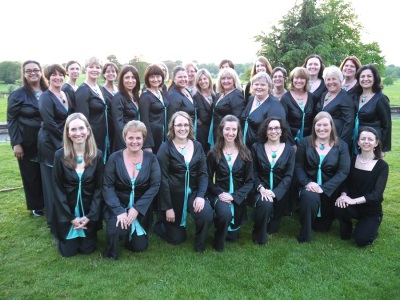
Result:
{"points": [[183, 184], [322, 164], [77, 173], [131, 181], [230, 173], [362, 195]]}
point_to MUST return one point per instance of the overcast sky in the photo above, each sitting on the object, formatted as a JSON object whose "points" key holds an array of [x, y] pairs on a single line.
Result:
{"points": [[204, 30]]}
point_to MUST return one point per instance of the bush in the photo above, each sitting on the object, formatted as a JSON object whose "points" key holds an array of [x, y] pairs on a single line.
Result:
{"points": [[388, 80]]}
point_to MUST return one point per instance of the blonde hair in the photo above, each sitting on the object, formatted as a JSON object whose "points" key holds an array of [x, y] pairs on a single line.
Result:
{"points": [[134, 126], [93, 61], [200, 73], [232, 73], [171, 132], [334, 71], [262, 76], [300, 72]]}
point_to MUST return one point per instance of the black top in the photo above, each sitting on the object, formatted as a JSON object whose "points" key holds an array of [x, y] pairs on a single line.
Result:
{"points": [[319, 91], [231, 104], [69, 90], [282, 171], [294, 115], [204, 113], [342, 110], [152, 114], [179, 102], [173, 169], [95, 109], [66, 188], [50, 134], [247, 93], [122, 111], [117, 185], [24, 120], [335, 166], [376, 114], [271, 107], [370, 184]]}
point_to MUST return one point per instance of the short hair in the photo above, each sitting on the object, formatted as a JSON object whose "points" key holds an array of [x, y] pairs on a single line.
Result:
{"points": [[174, 72], [262, 76], [226, 61], [231, 72], [191, 64], [333, 71], [44, 85], [90, 145], [276, 69], [378, 148], [153, 69], [206, 73], [51, 69], [333, 138], [354, 59], [321, 62], [93, 61], [300, 72], [262, 131], [134, 126], [171, 132], [109, 64], [71, 62], [121, 87], [265, 62]]}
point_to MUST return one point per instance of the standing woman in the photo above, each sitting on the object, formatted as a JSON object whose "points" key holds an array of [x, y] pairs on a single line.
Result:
{"points": [[110, 74], [279, 76], [153, 105], [23, 122], [261, 64], [78, 175], [191, 70], [322, 164], [179, 97], [54, 108], [92, 103], [260, 107], [349, 68], [338, 103], [372, 107], [164, 68], [274, 161], [131, 181], [230, 179], [73, 69], [315, 66], [230, 100], [125, 103], [362, 195], [183, 184], [204, 98]]}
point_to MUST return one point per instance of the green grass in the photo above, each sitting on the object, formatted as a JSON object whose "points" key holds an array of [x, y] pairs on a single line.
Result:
{"points": [[327, 268]]}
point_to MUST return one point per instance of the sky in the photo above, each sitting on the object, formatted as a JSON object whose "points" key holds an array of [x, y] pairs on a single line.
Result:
{"points": [[206, 31]]}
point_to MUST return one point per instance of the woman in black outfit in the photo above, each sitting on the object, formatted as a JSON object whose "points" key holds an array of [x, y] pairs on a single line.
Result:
{"points": [[23, 122], [315, 66]]}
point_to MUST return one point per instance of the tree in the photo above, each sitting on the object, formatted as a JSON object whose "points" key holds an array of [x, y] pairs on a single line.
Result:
{"points": [[10, 71], [112, 58], [139, 64], [388, 80], [329, 28]]}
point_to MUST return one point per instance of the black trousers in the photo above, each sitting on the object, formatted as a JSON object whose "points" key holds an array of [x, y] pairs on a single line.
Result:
{"points": [[47, 184], [32, 181], [85, 245], [366, 228], [262, 213]]}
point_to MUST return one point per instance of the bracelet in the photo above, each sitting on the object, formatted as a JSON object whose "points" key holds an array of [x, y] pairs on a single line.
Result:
{"points": [[259, 187]]}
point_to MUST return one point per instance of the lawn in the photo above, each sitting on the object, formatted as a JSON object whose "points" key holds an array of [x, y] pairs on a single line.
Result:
{"points": [[327, 268]]}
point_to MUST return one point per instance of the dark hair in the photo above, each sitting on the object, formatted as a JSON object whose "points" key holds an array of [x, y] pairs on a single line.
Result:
{"points": [[153, 69], [121, 87], [51, 69], [244, 153], [71, 62], [378, 148], [376, 86], [321, 70], [262, 131], [174, 72], [226, 61], [43, 82], [106, 65]]}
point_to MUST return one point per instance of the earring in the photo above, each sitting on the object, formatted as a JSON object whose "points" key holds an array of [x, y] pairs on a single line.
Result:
{"points": [[374, 149]]}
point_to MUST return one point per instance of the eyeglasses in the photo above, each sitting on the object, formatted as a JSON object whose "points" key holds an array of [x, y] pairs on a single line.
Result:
{"points": [[271, 129], [182, 125], [278, 76], [36, 71]]}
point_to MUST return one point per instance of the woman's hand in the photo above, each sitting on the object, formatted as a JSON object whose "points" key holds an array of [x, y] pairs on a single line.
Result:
{"points": [[344, 201], [170, 215], [123, 220], [225, 197], [82, 223], [267, 195], [132, 215], [198, 204], [18, 151], [314, 187]]}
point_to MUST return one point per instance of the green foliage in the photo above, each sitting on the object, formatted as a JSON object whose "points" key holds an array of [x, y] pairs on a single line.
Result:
{"points": [[10, 71], [113, 59], [329, 28], [388, 80], [392, 71]]}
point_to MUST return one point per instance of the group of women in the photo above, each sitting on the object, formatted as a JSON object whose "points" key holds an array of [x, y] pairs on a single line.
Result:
{"points": [[118, 154]]}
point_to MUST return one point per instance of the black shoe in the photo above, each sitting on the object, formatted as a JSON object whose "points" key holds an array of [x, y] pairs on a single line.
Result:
{"points": [[38, 213]]}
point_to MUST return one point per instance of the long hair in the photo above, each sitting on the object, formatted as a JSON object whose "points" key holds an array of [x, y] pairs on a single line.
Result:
{"points": [[300, 72], [90, 145], [44, 85], [355, 61], [171, 132], [217, 151], [378, 148], [262, 131], [321, 62], [265, 62], [232, 73], [121, 87], [174, 72], [204, 72], [333, 138], [376, 86], [226, 61]]}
